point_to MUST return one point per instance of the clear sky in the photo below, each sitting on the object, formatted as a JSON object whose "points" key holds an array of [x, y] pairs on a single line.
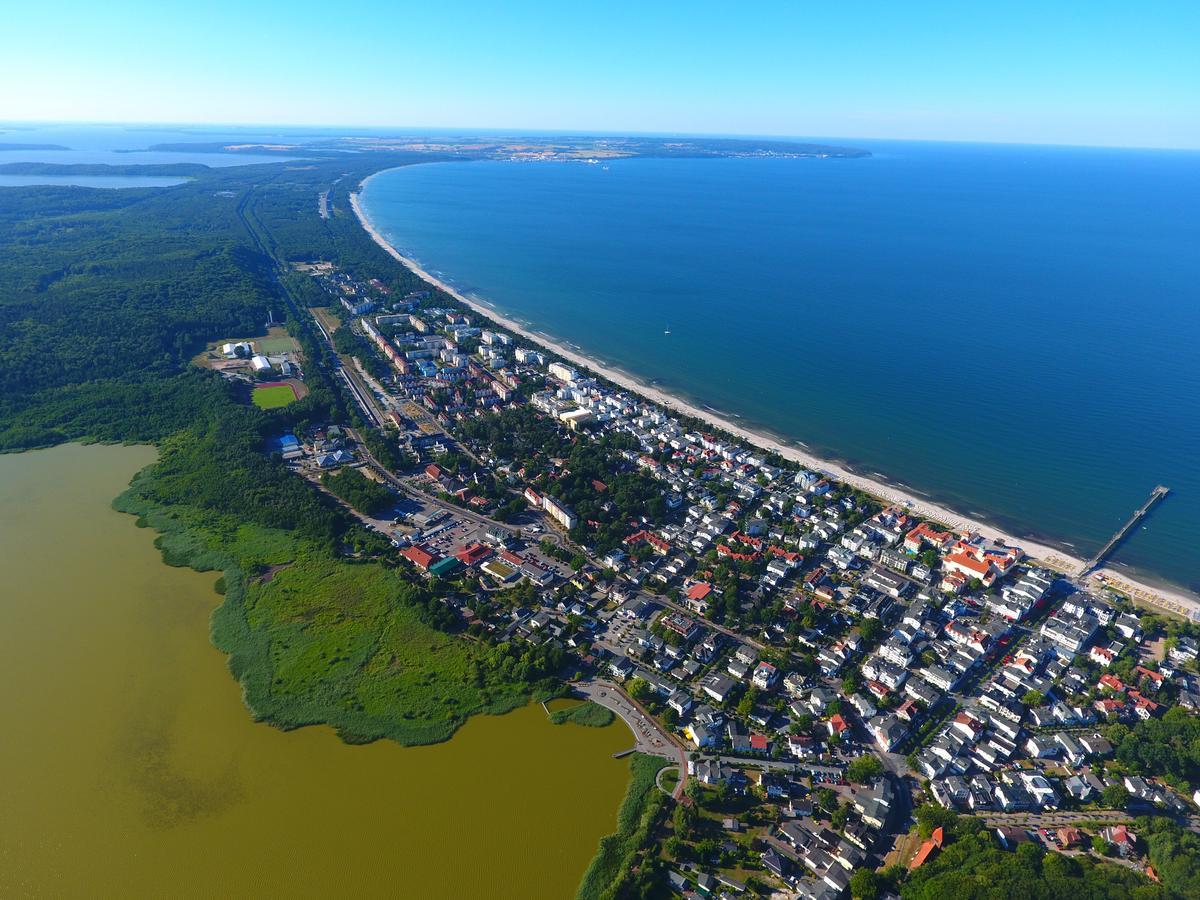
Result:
{"points": [[1055, 71]]}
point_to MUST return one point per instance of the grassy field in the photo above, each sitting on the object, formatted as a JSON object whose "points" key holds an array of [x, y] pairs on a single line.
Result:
{"points": [[278, 341], [636, 817], [272, 397], [591, 714], [670, 780], [327, 640]]}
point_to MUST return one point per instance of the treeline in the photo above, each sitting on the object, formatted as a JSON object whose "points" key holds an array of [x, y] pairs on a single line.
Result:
{"points": [[218, 464], [99, 285], [1174, 853], [975, 866], [1168, 747], [368, 497]]}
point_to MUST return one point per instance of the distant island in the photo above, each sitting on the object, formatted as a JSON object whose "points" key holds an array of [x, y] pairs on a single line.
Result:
{"points": [[583, 147], [5, 146]]}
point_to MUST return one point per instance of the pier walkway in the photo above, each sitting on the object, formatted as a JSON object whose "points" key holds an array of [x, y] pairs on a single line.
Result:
{"points": [[1157, 494]]}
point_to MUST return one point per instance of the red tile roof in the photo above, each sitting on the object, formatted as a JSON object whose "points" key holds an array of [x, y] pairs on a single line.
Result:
{"points": [[472, 554], [419, 556]]}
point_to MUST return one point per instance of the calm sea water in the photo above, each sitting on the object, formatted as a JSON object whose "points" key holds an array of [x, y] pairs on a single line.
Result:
{"points": [[1011, 330]]}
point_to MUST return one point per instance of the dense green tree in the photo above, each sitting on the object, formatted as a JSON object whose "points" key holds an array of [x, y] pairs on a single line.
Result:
{"points": [[863, 769], [1115, 796], [864, 885]]}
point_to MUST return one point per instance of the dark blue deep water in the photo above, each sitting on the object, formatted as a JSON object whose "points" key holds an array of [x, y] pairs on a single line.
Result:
{"points": [[1014, 331]]}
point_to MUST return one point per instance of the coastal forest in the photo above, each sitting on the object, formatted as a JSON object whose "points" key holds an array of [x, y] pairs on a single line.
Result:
{"points": [[105, 298]]}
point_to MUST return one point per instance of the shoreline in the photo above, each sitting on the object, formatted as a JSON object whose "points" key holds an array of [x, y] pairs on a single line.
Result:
{"points": [[1173, 599]]}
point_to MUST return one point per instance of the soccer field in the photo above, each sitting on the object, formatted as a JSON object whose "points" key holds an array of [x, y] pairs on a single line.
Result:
{"points": [[273, 396], [276, 344]]}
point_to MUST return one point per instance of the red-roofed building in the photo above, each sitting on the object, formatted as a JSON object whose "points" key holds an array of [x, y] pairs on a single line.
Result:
{"points": [[725, 550], [661, 545], [967, 565], [786, 555], [968, 725], [1112, 682], [1108, 707], [1104, 656], [698, 597], [928, 848], [1155, 678], [419, 557], [759, 743], [925, 534], [1069, 836], [1121, 838], [472, 554], [907, 711], [837, 725], [1144, 706]]}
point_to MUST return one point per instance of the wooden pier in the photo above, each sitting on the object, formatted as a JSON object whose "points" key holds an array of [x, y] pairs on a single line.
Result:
{"points": [[1094, 563]]}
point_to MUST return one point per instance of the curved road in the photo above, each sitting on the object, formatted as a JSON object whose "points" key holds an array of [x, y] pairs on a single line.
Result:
{"points": [[650, 738]]}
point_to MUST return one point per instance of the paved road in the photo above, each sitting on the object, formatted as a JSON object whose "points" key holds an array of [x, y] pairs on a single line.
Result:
{"points": [[650, 738]]}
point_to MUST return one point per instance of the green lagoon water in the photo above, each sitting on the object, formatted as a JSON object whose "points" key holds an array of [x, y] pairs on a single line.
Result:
{"points": [[130, 768]]}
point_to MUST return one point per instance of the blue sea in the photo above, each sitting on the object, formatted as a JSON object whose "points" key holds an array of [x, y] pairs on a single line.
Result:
{"points": [[1011, 330]]}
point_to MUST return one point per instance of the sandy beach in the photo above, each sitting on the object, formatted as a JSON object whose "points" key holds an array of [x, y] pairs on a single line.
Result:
{"points": [[1172, 599]]}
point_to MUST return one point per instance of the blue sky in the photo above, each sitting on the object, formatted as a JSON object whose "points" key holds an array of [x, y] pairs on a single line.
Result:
{"points": [[1052, 72]]}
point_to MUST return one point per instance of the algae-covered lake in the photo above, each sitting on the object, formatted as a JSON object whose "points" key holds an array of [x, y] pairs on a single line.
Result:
{"points": [[130, 767]]}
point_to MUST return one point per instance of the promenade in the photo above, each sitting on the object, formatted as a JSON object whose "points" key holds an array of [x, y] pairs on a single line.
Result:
{"points": [[649, 737]]}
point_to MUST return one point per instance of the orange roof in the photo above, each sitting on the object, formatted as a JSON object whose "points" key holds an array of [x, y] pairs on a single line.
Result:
{"points": [[472, 553], [419, 556], [927, 850], [969, 563], [924, 531]]}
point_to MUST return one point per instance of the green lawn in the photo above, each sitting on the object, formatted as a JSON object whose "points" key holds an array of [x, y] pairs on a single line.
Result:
{"points": [[669, 780], [276, 344], [272, 397], [587, 713]]}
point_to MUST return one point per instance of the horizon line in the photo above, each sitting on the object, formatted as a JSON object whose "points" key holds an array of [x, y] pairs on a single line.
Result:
{"points": [[531, 131]]}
